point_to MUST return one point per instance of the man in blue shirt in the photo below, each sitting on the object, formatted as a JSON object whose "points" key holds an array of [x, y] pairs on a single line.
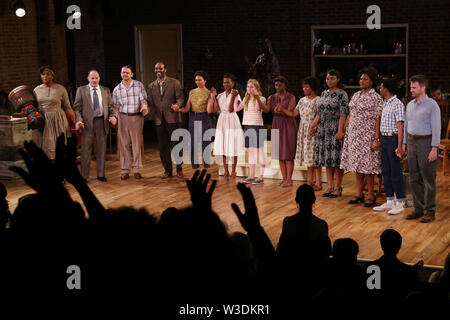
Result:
{"points": [[422, 136]]}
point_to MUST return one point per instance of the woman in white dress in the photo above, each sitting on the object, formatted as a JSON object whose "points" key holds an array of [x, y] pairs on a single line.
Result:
{"points": [[307, 110], [229, 140]]}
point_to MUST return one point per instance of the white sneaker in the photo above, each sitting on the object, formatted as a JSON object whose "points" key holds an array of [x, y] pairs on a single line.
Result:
{"points": [[388, 205], [396, 210]]}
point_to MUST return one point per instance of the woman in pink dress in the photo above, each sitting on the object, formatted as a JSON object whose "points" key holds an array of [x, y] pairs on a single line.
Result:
{"points": [[283, 149]]}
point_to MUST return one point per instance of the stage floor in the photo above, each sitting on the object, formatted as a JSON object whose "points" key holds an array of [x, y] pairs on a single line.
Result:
{"points": [[429, 242]]}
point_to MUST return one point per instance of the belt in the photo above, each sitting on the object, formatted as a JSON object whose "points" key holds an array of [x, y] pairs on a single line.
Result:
{"points": [[131, 114], [389, 134], [198, 113], [413, 136], [101, 117]]}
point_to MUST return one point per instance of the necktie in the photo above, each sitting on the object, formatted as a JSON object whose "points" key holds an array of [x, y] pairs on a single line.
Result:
{"points": [[96, 101], [161, 87]]}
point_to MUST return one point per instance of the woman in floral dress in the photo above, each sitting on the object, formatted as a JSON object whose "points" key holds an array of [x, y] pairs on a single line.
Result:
{"points": [[361, 152], [328, 128]]}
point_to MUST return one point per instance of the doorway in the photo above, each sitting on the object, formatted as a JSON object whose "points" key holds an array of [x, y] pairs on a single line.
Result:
{"points": [[158, 42]]}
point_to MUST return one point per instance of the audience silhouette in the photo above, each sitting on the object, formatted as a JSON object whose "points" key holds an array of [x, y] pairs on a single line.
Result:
{"points": [[187, 253]]}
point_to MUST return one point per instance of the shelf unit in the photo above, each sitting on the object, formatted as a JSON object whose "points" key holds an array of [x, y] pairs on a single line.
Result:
{"points": [[379, 44]]}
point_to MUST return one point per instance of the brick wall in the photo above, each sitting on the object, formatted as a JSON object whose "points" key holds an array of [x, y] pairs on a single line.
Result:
{"points": [[88, 42], [19, 57], [18, 48], [231, 29]]}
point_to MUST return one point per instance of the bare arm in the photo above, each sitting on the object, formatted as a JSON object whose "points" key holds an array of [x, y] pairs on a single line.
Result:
{"points": [[186, 108], [376, 143], [263, 106], [291, 105], [314, 124], [399, 150], [212, 102], [289, 113], [239, 107], [232, 105], [347, 121], [341, 133]]}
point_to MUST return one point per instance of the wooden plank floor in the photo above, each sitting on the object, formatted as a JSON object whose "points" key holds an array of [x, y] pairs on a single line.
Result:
{"points": [[429, 242]]}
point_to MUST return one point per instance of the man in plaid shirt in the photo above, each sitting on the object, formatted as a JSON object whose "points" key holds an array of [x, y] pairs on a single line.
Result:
{"points": [[391, 129], [130, 102]]}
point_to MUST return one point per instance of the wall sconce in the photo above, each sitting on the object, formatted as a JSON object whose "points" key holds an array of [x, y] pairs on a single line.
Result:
{"points": [[19, 8]]}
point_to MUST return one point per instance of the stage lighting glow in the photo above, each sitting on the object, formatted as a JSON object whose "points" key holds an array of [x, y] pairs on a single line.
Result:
{"points": [[19, 9], [20, 12]]}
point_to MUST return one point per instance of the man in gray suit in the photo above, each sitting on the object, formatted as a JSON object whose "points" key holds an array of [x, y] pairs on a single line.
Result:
{"points": [[162, 94], [94, 112]]}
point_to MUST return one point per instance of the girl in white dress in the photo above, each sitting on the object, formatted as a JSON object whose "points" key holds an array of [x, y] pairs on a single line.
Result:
{"points": [[229, 140]]}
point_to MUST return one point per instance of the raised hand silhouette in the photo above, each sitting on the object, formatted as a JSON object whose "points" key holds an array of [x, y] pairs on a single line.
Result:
{"points": [[197, 186], [65, 160], [249, 220], [43, 175]]}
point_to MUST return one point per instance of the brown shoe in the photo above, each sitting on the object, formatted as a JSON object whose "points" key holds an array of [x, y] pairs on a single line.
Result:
{"points": [[124, 176], [137, 175], [166, 175], [180, 174], [414, 215], [427, 218]]}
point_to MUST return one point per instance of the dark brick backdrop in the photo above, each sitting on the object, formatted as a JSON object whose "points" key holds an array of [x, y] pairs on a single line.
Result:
{"points": [[231, 29]]}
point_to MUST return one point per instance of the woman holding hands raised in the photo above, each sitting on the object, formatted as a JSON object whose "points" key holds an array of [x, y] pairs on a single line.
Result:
{"points": [[229, 140]]}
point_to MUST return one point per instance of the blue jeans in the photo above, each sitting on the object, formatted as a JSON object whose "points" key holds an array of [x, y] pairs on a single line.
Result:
{"points": [[392, 169]]}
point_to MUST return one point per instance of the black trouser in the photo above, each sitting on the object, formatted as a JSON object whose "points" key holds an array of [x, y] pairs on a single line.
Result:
{"points": [[164, 132]]}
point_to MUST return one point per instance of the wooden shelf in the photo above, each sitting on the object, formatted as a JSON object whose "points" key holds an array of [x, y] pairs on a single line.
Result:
{"points": [[386, 61], [359, 56]]}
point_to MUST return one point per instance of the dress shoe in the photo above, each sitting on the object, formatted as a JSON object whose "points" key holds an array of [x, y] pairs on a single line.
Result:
{"points": [[124, 176], [370, 202], [166, 175], [335, 195], [327, 194], [137, 175], [356, 200], [414, 215], [180, 174], [427, 218], [102, 179]]}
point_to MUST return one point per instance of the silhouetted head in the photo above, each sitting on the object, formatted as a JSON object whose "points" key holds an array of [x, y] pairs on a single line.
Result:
{"points": [[391, 241], [305, 197], [345, 251]]}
